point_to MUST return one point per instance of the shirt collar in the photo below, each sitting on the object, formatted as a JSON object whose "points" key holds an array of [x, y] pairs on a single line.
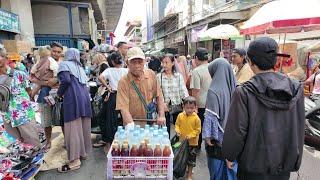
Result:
{"points": [[174, 74], [193, 114], [145, 75]]}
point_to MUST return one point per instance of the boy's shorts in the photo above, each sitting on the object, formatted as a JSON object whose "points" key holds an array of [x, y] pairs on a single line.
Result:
{"points": [[192, 158]]}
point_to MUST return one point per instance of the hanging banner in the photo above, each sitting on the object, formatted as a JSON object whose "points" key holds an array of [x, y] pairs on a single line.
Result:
{"points": [[195, 32]]}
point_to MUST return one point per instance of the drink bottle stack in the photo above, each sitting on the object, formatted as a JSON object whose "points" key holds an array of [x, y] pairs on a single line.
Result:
{"points": [[140, 153]]}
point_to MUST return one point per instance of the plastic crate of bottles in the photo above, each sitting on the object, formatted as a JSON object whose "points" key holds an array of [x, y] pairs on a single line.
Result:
{"points": [[143, 153], [119, 167]]}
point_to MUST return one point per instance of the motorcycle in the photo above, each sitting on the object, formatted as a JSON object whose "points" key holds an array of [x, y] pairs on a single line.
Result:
{"points": [[312, 126], [95, 105]]}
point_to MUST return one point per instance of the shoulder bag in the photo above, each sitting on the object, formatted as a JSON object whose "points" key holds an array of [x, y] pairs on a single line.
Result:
{"points": [[151, 108]]}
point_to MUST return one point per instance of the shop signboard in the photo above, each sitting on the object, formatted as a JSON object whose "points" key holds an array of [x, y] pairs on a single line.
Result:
{"points": [[9, 21], [174, 38]]}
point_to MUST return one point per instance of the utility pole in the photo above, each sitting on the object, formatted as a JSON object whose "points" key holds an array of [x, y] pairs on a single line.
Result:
{"points": [[188, 39]]}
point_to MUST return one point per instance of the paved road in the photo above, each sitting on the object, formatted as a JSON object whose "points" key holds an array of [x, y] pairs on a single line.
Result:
{"points": [[95, 168]]}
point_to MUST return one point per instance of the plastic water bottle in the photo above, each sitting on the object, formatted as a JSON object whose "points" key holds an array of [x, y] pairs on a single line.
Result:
{"points": [[155, 132], [137, 127], [141, 134], [151, 131], [165, 129], [156, 126], [147, 126], [146, 134], [155, 141], [122, 138], [135, 138], [130, 134], [160, 139], [122, 132], [116, 136], [166, 135]]}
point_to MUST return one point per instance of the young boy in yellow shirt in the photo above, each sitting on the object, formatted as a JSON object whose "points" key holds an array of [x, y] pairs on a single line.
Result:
{"points": [[188, 126]]}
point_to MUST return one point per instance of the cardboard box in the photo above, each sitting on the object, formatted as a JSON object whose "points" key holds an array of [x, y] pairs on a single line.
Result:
{"points": [[15, 46]]}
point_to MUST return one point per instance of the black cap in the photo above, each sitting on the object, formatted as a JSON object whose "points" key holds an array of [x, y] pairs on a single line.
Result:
{"points": [[202, 54], [263, 52]]}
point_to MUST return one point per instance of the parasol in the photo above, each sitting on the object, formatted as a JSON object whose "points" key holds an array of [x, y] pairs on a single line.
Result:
{"points": [[284, 16], [223, 31]]}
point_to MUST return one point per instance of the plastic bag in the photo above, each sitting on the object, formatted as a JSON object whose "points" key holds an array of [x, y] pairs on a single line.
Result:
{"points": [[180, 159], [57, 114], [175, 143], [174, 140]]}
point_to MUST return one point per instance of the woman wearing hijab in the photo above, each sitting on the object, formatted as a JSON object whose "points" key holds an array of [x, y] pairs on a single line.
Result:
{"points": [[243, 71], [77, 109], [218, 102]]}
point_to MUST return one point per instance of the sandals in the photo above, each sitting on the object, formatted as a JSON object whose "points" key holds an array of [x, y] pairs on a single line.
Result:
{"points": [[66, 168], [99, 144]]}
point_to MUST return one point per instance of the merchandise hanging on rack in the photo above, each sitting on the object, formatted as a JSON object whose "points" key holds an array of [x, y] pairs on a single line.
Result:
{"points": [[18, 160]]}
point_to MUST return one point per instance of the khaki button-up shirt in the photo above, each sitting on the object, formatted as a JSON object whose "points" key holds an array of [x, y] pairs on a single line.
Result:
{"points": [[127, 97]]}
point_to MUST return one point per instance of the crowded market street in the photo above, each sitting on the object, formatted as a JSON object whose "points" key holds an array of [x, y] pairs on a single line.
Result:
{"points": [[160, 89]]}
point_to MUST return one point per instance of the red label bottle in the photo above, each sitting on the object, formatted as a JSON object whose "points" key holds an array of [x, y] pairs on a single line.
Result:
{"points": [[142, 148], [166, 153]]}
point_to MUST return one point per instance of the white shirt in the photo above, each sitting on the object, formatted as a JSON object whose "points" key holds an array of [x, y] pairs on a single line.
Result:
{"points": [[113, 75], [54, 66]]}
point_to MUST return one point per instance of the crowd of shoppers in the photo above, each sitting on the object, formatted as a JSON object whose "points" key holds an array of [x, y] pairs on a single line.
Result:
{"points": [[252, 131]]}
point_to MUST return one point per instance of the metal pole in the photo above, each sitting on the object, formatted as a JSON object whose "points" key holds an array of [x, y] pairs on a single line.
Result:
{"points": [[284, 43], [70, 24]]}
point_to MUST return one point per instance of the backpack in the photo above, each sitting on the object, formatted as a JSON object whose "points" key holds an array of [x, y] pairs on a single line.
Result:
{"points": [[5, 92]]}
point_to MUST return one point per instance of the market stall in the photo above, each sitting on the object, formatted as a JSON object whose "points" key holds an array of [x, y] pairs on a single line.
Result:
{"points": [[294, 17], [18, 160], [226, 33]]}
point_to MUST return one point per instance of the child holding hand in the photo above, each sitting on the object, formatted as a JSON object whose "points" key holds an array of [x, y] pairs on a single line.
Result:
{"points": [[188, 126]]}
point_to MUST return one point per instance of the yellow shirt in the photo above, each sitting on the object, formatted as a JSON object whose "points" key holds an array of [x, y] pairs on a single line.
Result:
{"points": [[189, 126]]}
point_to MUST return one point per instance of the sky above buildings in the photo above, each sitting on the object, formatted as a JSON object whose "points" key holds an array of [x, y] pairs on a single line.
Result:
{"points": [[132, 10]]}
